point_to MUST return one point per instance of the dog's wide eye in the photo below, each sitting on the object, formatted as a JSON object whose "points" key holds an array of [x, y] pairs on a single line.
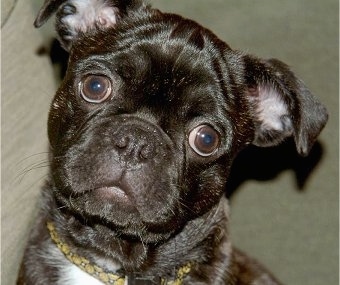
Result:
{"points": [[204, 140], [95, 88]]}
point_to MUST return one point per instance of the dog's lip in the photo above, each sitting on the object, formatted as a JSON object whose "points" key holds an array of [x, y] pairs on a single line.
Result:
{"points": [[112, 192]]}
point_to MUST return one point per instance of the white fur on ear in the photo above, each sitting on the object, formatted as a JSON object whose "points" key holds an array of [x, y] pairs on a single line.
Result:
{"points": [[271, 114], [271, 108], [281, 105], [89, 14]]}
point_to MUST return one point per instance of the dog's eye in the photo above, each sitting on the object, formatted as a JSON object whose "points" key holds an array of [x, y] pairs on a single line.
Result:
{"points": [[95, 88], [204, 140]]}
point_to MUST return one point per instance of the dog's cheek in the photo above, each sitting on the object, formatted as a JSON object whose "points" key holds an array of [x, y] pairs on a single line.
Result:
{"points": [[65, 118], [207, 188], [57, 118]]}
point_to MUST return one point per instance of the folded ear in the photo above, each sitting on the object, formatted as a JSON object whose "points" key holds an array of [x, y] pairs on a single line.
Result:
{"points": [[282, 105], [74, 17]]}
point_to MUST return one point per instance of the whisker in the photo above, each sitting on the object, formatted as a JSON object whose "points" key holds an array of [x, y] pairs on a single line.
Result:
{"points": [[35, 182], [36, 166], [142, 241], [61, 207], [31, 156]]}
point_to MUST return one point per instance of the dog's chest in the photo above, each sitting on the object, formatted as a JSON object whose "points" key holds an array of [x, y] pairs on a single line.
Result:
{"points": [[69, 273], [75, 276]]}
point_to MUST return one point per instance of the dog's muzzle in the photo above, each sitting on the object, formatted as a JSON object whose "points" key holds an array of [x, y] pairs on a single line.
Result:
{"points": [[123, 168], [138, 144]]}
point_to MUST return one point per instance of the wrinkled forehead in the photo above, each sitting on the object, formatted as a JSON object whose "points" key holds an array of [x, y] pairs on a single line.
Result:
{"points": [[173, 65], [166, 42], [167, 54]]}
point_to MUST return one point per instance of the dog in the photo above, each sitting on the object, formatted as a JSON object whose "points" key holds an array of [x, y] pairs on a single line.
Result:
{"points": [[143, 131]]}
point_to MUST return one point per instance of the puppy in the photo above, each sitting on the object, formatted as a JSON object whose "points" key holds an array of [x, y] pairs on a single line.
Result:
{"points": [[143, 131]]}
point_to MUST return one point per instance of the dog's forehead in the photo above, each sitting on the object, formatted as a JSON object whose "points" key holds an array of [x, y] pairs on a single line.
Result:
{"points": [[164, 37], [168, 62]]}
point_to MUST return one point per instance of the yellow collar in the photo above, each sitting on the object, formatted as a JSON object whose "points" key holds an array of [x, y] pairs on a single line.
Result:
{"points": [[97, 272]]}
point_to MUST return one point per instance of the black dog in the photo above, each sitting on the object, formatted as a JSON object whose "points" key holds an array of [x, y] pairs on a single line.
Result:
{"points": [[143, 131]]}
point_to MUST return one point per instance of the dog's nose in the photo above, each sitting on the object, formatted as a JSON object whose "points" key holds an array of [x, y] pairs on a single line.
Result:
{"points": [[136, 144]]}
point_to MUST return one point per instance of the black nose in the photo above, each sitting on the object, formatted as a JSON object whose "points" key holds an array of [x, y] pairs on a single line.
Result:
{"points": [[136, 144]]}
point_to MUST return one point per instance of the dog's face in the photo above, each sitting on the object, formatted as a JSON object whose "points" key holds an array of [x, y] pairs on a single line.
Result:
{"points": [[153, 110], [144, 130]]}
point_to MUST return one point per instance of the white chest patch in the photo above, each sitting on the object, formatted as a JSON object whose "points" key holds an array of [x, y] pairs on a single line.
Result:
{"points": [[69, 273], [75, 276]]}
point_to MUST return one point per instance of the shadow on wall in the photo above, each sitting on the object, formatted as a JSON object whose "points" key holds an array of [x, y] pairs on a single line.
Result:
{"points": [[58, 57], [253, 163]]}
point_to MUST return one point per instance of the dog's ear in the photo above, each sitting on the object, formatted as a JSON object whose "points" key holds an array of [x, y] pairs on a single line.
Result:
{"points": [[75, 17], [282, 105]]}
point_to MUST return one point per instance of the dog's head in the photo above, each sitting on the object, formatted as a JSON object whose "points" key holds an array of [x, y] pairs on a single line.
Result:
{"points": [[152, 111]]}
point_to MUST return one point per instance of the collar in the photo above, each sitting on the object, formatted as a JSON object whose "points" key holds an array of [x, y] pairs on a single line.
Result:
{"points": [[110, 278]]}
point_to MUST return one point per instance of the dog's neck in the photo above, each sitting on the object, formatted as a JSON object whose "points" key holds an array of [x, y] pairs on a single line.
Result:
{"points": [[109, 277], [197, 242]]}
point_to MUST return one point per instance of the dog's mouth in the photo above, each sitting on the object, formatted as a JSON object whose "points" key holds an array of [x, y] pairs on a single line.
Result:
{"points": [[113, 193], [117, 206], [121, 201]]}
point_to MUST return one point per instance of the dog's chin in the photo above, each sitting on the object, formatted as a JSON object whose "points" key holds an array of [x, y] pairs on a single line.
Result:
{"points": [[113, 208]]}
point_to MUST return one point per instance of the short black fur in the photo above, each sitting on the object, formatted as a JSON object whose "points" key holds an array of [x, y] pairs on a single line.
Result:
{"points": [[129, 187]]}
